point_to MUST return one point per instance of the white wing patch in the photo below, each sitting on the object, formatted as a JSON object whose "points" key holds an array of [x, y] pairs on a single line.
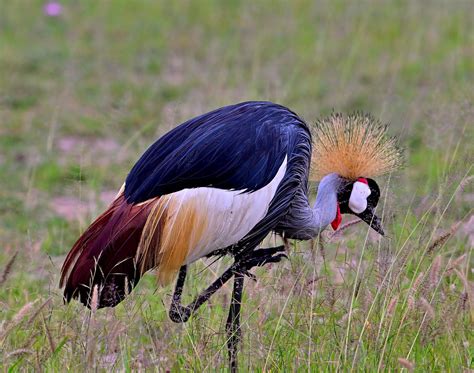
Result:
{"points": [[230, 214], [185, 226], [358, 198]]}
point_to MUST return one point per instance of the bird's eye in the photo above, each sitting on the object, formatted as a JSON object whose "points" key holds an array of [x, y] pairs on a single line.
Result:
{"points": [[358, 198]]}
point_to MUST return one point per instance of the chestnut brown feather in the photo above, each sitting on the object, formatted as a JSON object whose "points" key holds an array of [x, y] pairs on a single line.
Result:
{"points": [[105, 253]]}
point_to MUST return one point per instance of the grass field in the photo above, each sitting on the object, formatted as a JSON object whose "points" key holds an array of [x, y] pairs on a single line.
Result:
{"points": [[81, 97]]}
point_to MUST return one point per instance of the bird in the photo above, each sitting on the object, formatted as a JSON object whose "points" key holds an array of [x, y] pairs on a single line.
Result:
{"points": [[217, 185]]}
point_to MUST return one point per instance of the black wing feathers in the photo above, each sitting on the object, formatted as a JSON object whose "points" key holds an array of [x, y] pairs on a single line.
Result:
{"points": [[237, 147], [296, 178]]}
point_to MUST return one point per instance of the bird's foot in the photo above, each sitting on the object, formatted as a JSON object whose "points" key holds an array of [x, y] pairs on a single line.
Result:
{"points": [[259, 258], [179, 313]]}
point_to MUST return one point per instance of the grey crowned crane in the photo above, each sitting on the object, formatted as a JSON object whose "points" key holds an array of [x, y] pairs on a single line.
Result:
{"points": [[217, 185]]}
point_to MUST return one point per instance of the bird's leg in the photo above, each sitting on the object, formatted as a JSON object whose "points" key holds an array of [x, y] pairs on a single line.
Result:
{"points": [[243, 263], [249, 260], [232, 325], [179, 313]]}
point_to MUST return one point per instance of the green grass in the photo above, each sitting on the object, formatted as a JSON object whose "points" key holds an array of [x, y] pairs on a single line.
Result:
{"points": [[81, 96]]}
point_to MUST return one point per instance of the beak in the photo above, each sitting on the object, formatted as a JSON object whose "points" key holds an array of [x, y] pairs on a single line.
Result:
{"points": [[372, 220]]}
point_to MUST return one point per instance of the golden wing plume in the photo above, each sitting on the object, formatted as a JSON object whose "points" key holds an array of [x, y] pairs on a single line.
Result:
{"points": [[353, 146]]}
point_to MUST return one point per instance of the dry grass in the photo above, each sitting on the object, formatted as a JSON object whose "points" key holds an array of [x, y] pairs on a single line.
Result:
{"points": [[83, 95]]}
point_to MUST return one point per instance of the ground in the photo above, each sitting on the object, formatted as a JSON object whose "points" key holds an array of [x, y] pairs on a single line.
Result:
{"points": [[83, 94]]}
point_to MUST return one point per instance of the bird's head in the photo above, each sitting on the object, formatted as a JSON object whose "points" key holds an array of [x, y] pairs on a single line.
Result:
{"points": [[354, 147], [359, 198]]}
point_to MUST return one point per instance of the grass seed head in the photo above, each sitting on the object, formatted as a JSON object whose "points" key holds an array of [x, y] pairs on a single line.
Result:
{"points": [[427, 307], [442, 238], [95, 298], [392, 305], [7, 270], [406, 364], [435, 270]]}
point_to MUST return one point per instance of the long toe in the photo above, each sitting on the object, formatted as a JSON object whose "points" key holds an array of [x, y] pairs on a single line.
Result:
{"points": [[261, 257], [273, 250], [267, 252], [276, 258]]}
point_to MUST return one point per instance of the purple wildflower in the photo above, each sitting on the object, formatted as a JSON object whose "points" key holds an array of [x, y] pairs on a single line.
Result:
{"points": [[52, 9]]}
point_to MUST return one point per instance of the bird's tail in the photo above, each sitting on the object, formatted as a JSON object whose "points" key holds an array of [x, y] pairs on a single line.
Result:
{"points": [[105, 255]]}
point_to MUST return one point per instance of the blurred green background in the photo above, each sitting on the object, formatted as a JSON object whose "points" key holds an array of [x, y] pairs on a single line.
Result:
{"points": [[84, 93]]}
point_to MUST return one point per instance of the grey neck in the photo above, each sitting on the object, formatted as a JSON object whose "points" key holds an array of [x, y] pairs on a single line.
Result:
{"points": [[304, 222], [325, 208]]}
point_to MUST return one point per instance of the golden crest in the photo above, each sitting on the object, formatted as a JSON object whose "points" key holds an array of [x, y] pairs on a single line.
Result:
{"points": [[353, 146]]}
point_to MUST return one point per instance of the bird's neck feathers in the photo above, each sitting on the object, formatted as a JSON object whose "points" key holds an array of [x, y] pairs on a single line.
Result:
{"points": [[305, 222], [325, 207]]}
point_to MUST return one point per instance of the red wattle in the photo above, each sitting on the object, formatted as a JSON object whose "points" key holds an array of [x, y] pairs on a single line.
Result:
{"points": [[335, 223], [363, 180]]}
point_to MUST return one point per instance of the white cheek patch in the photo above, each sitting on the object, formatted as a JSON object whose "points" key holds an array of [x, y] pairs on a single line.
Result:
{"points": [[358, 199]]}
